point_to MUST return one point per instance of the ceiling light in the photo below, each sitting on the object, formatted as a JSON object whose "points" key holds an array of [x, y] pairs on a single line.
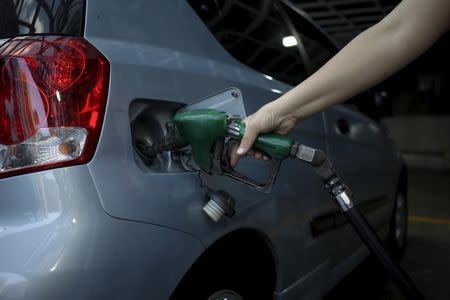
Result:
{"points": [[289, 41]]}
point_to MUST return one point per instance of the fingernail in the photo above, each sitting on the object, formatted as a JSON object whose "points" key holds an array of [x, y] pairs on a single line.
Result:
{"points": [[240, 151]]}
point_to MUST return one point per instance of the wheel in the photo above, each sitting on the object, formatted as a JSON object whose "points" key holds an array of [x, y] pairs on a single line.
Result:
{"points": [[239, 266], [398, 232], [225, 295], [222, 283]]}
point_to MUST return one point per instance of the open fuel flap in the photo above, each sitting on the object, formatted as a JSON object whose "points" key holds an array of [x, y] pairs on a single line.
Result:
{"points": [[149, 124]]}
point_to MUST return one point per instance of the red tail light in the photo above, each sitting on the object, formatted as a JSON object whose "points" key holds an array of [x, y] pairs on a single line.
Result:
{"points": [[52, 101]]}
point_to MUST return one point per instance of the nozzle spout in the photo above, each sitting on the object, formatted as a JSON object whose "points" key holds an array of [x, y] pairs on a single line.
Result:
{"points": [[170, 142]]}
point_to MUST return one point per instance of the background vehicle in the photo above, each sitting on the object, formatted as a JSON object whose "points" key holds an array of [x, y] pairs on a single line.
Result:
{"points": [[113, 226]]}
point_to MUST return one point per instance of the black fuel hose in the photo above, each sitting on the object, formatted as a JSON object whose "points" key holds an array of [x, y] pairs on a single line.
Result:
{"points": [[375, 245], [343, 198]]}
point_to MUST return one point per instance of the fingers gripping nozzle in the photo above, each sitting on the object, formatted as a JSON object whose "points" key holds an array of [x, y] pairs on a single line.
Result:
{"points": [[277, 146]]}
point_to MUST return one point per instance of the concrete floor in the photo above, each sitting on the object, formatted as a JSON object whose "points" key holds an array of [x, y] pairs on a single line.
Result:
{"points": [[427, 258]]}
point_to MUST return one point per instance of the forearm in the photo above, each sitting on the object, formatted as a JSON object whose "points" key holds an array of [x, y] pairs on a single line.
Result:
{"points": [[364, 62], [371, 57]]}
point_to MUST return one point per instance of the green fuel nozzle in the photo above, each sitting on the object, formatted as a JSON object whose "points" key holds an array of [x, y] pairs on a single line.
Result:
{"points": [[202, 128]]}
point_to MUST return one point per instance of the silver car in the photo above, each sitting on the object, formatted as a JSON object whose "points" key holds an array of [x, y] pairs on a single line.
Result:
{"points": [[83, 216]]}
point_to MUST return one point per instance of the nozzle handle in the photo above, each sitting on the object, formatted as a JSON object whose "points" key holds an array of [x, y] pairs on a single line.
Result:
{"points": [[275, 145]]}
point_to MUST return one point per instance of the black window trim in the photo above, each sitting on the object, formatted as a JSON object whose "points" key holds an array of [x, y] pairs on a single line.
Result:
{"points": [[300, 46], [323, 37], [328, 42], [42, 4], [284, 7]]}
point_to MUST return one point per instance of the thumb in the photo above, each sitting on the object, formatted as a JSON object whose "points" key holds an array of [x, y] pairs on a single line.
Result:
{"points": [[250, 135]]}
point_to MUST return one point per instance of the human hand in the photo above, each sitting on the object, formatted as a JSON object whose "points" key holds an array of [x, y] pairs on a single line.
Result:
{"points": [[267, 119]]}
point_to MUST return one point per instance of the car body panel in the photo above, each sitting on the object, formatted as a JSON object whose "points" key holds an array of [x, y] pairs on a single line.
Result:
{"points": [[369, 170], [57, 242]]}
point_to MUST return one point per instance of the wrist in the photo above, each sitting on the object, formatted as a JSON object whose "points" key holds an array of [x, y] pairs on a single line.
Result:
{"points": [[283, 109]]}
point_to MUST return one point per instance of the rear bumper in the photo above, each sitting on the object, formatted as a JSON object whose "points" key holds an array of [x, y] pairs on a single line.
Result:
{"points": [[57, 242]]}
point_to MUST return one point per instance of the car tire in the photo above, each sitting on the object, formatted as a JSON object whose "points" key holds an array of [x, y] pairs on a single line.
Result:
{"points": [[238, 277], [398, 231], [225, 295], [221, 283]]}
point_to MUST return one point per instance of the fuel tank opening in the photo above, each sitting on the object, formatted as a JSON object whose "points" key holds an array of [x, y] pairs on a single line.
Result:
{"points": [[150, 123]]}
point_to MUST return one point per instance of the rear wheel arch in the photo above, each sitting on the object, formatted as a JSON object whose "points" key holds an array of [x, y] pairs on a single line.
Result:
{"points": [[242, 259]]}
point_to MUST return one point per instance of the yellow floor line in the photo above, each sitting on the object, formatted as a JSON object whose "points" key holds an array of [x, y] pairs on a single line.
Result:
{"points": [[429, 220]]}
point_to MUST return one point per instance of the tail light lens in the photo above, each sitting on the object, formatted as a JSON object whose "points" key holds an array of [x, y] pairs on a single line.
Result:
{"points": [[53, 94]]}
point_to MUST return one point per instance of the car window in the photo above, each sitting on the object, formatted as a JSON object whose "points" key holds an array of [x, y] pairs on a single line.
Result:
{"points": [[318, 46], [320, 49], [253, 32], [318, 54], [25, 17]]}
